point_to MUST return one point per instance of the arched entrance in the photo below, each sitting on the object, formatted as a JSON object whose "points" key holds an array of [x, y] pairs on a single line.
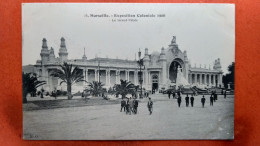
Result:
{"points": [[173, 70], [155, 82]]}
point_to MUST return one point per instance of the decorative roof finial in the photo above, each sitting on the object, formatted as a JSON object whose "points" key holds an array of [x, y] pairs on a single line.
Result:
{"points": [[84, 56]]}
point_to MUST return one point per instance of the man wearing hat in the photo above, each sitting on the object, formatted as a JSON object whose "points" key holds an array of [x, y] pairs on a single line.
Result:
{"points": [[150, 105]]}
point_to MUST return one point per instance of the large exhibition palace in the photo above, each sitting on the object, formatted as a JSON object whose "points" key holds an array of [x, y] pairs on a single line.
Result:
{"points": [[160, 70]]}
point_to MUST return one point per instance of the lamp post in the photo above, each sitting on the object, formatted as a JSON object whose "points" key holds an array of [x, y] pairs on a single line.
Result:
{"points": [[140, 63]]}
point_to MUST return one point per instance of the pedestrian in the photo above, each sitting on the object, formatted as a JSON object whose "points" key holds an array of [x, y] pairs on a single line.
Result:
{"points": [[41, 94], [225, 94], [179, 101], [85, 94], [123, 105], [135, 106], [131, 105], [169, 94], [128, 111], [150, 105], [55, 94], [215, 96], [179, 93], [187, 100], [191, 100], [203, 101], [173, 95], [211, 100]]}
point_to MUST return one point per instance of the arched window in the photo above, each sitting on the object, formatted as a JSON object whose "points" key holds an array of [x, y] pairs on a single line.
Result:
{"points": [[154, 79]]}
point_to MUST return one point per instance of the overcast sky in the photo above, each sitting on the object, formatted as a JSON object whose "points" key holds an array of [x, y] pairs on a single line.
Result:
{"points": [[205, 31]]}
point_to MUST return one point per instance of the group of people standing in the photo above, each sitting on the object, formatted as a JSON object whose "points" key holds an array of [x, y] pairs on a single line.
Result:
{"points": [[129, 106], [173, 94]]}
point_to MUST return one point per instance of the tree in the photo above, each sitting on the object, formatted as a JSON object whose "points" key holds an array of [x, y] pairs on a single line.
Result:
{"points": [[30, 84], [96, 88], [229, 77], [69, 75], [125, 87]]}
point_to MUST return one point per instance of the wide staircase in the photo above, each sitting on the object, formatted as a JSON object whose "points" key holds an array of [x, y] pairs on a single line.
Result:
{"points": [[194, 89]]}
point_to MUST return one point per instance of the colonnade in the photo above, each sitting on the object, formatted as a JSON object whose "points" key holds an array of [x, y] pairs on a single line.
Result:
{"points": [[210, 79], [108, 73]]}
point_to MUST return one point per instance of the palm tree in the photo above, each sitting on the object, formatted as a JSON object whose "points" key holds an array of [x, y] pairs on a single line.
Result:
{"points": [[96, 88], [30, 84], [68, 75], [125, 87]]}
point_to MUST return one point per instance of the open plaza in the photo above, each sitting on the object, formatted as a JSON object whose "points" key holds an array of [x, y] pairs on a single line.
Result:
{"points": [[101, 122]]}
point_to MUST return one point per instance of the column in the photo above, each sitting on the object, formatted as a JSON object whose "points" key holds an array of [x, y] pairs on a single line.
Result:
{"points": [[95, 75], [118, 79], [86, 75], [189, 78], [214, 80], [160, 77], [209, 79], [200, 78], [125, 75], [135, 79], [148, 78], [205, 79], [195, 80], [106, 77], [128, 72], [220, 80], [109, 76], [50, 81], [116, 76]]}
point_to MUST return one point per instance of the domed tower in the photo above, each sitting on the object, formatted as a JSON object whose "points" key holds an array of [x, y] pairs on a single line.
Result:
{"points": [[63, 54], [146, 57], [163, 64], [44, 51], [146, 64], [52, 55]]}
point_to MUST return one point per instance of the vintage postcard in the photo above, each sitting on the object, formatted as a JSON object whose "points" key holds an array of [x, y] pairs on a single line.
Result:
{"points": [[128, 71]]}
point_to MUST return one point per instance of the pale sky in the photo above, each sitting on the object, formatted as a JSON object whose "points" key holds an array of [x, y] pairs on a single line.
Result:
{"points": [[205, 31]]}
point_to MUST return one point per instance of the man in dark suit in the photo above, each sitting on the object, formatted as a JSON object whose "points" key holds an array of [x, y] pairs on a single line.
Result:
{"points": [[211, 100], [135, 106], [123, 105], [191, 100], [179, 101], [169, 93], [215, 97], [150, 105], [173, 94], [203, 100], [187, 100]]}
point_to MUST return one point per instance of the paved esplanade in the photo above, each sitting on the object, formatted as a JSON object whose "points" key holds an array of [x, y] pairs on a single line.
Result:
{"points": [[107, 122]]}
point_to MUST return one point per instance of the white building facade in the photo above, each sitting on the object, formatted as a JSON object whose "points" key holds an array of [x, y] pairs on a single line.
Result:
{"points": [[159, 70]]}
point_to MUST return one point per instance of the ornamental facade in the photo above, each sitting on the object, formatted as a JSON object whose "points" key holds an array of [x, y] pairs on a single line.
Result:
{"points": [[160, 70]]}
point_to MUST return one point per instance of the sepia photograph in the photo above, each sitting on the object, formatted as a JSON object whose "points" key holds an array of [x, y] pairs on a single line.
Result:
{"points": [[128, 71]]}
